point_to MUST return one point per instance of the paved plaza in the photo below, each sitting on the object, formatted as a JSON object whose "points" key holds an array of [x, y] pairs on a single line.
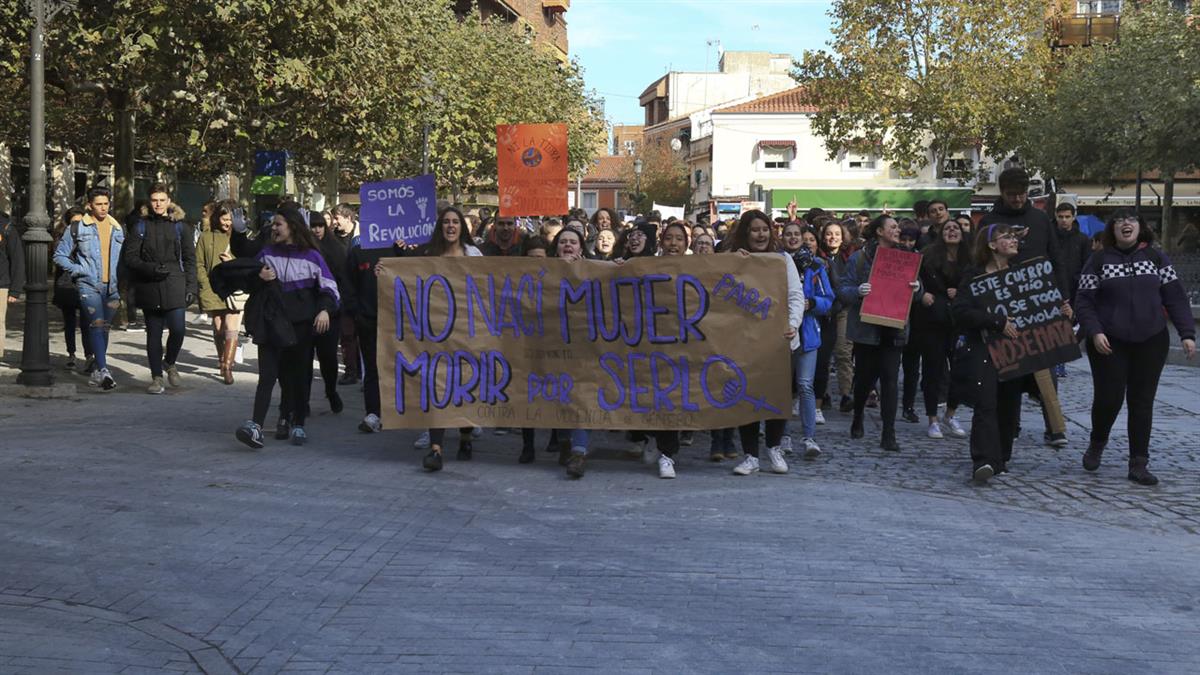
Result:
{"points": [[137, 536]]}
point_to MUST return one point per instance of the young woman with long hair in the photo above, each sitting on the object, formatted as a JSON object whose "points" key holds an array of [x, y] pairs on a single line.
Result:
{"points": [[296, 279], [818, 299], [755, 234], [450, 239], [933, 333], [833, 246], [877, 349], [212, 249]]}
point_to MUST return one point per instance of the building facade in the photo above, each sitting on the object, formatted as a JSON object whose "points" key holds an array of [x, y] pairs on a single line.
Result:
{"points": [[544, 21], [626, 139], [604, 186]]}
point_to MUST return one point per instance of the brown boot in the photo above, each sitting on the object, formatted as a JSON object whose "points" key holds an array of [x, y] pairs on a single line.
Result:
{"points": [[229, 349]]}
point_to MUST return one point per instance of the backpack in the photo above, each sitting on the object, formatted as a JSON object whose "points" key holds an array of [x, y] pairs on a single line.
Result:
{"points": [[141, 231]]}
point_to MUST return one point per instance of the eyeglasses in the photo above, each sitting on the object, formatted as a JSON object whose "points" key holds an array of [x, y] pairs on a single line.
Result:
{"points": [[1126, 221], [1007, 235]]}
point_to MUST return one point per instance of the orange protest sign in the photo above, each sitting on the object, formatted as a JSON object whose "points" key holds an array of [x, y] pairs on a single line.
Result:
{"points": [[532, 164]]}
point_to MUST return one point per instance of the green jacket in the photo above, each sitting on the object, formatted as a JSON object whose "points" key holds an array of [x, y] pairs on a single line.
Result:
{"points": [[208, 255]]}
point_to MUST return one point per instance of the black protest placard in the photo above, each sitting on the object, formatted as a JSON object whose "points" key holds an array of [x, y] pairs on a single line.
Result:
{"points": [[1028, 295]]}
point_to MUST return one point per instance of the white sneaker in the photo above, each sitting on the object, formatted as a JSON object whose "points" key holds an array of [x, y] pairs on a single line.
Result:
{"points": [[811, 449], [820, 417], [476, 432], [239, 356], [666, 467], [785, 444], [371, 424], [795, 407], [95, 377], [955, 428], [935, 431], [775, 455], [422, 442], [747, 466]]}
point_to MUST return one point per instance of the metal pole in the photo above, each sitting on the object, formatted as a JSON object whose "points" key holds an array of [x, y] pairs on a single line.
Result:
{"points": [[425, 151], [35, 354], [1137, 194]]}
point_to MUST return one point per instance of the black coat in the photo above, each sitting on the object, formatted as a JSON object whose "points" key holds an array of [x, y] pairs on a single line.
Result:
{"points": [[1039, 240], [12, 259], [1074, 249], [162, 263], [976, 322], [265, 315]]}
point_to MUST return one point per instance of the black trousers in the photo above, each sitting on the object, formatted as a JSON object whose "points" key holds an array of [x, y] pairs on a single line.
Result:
{"points": [[326, 347], [436, 436], [910, 363], [749, 435], [996, 418], [935, 344], [882, 363], [367, 338], [829, 335], [666, 441], [172, 320], [1129, 375], [292, 368]]}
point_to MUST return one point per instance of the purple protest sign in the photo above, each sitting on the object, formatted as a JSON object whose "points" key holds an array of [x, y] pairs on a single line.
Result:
{"points": [[397, 210]]}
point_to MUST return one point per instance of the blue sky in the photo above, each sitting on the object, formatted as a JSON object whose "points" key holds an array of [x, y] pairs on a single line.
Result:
{"points": [[624, 45]]}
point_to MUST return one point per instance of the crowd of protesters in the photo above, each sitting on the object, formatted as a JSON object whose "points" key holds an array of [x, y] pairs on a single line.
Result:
{"points": [[303, 287]]}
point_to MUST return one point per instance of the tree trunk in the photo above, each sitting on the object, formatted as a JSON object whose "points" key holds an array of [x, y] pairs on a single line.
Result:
{"points": [[1168, 232], [123, 192]]}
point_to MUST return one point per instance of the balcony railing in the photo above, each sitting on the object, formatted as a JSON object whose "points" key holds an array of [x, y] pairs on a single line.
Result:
{"points": [[1083, 30]]}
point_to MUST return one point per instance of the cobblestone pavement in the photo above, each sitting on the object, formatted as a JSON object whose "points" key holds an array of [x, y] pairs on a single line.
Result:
{"points": [[138, 536]]}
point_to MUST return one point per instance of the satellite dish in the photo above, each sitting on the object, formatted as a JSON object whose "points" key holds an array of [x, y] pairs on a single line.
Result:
{"points": [[676, 144]]}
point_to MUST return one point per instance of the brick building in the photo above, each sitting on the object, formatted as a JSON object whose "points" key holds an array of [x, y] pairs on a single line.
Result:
{"points": [[603, 186], [626, 139], [543, 20]]}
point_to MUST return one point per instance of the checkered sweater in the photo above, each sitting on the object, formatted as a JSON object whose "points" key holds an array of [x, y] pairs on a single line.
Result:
{"points": [[1129, 295]]}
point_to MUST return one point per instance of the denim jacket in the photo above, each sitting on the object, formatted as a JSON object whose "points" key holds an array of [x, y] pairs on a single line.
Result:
{"points": [[81, 258]]}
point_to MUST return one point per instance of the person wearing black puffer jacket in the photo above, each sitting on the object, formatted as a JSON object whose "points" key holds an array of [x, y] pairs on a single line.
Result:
{"points": [[1127, 293], [160, 252]]}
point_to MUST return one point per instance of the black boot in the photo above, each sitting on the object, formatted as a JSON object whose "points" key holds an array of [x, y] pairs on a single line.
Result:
{"points": [[464, 450], [888, 441], [433, 460], [846, 405], [1091, 458], [856, 427], [335, 401], [1140, 473], [527, 454], [910, 415]]}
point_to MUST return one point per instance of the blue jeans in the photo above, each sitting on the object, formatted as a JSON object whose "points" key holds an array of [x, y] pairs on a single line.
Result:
{"points": [[99, 306], [579, 440], [806, 370]]}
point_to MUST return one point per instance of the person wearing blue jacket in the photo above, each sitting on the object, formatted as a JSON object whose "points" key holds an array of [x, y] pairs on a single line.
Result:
{"points": [[818, 298], [91, 254]]}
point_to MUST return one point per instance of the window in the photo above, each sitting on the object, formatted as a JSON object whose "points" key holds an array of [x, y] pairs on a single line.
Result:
{"points": [[775, 158], [857, 161], [591, 200], [699, 177], [630, 147], [1094, 7], [958, 165]]}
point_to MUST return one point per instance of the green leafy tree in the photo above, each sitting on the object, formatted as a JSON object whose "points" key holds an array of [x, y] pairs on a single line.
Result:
{"points": [[1122, 108], [920, 79], [664, 179]]}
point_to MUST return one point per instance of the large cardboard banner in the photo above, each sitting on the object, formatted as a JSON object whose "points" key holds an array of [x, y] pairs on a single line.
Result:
{"points": [[1027, 294], [397, 210], [891, 296], [693, 342], [532, 163]]}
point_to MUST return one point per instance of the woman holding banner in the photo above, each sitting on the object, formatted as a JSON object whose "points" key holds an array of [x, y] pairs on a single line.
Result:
{"points": [[569, 245], [449, 240], [997, 404], [755, 234], [1127, 292], [721, 446], [877, 349]]}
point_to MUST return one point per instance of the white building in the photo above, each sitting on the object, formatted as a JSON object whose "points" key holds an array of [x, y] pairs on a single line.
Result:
{"points": [[766, 150]]}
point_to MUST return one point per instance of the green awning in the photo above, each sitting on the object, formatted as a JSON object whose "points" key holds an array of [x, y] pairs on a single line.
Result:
{"points": [[870, 199]]}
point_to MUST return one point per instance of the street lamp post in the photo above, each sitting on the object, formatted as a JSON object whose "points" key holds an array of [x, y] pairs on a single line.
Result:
{"points": [[637, 172], [35, 351]]}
